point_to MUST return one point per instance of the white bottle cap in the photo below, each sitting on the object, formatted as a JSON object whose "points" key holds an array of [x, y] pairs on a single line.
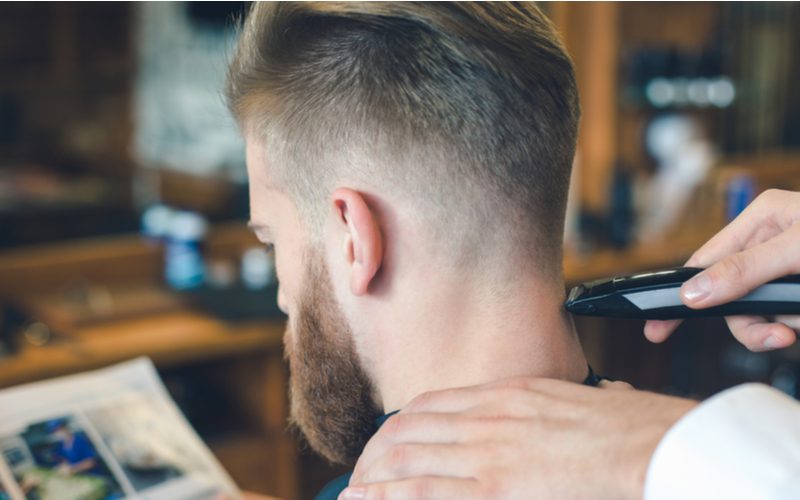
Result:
{"points": [[187, 226], [258, 268], [156, 221]]}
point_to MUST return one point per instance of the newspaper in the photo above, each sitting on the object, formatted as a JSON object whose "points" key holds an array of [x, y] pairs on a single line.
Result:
{"points": [[110, 434]]}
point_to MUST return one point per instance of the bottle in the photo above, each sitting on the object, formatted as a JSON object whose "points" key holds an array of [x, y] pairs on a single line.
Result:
{"points": [[156, 222], [184, 267], [258, 268]]}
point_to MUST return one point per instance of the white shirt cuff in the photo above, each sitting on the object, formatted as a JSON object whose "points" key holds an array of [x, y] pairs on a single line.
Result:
{"points": [[743, 443]]}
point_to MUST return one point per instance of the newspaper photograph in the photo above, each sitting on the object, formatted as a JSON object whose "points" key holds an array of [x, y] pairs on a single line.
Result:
{"points": [[56, 459], [110, 434]]}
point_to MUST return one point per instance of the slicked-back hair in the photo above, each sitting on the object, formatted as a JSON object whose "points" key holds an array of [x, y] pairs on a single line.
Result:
{"points": [[467, 110]]}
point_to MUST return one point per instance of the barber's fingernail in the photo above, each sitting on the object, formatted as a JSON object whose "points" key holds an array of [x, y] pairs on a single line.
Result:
{"points": [[772, 342], [353, 493], [697, 288]]}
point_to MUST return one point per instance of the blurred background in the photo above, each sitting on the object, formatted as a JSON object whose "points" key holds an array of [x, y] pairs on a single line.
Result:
{"points": [[123, 199]]}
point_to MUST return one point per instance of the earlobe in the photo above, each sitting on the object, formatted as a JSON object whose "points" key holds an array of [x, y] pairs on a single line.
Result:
{"points": [[362, 238]]}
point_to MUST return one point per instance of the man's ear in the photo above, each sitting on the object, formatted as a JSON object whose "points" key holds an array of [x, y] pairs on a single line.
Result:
{"points": [[361, 238]]}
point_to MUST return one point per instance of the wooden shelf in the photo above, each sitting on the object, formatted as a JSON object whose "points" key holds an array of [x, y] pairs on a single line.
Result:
{"points": [[173, 336], [168, 339], [669, 251]]}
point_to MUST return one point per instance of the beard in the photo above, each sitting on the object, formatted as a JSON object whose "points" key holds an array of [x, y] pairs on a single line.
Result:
{"points": [[330, 393]]}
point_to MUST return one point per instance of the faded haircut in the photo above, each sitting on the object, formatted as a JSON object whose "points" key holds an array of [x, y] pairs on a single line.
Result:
{"points": [[467, 110]]}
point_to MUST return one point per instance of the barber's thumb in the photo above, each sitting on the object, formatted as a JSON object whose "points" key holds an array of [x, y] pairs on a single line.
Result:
{"points": [[722, 282], [615, 385], [697, 290]]}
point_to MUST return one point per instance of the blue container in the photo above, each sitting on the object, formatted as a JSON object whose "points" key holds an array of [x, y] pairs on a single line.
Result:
{"points": [[740, 192], [184, 267]]}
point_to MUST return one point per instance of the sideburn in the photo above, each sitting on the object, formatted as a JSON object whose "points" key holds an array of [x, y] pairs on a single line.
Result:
{"points": [[331, 395]]}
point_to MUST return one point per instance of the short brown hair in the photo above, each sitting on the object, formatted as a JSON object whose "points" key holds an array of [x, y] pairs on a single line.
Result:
{"points": [[470, 109]]}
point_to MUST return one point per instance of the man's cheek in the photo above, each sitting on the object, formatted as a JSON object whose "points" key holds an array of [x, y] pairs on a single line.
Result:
{"points": [[288, 343], [283, 305]]}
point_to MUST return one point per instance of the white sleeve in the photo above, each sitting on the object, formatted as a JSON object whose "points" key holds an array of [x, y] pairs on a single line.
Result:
{"points": [[743, 443]]}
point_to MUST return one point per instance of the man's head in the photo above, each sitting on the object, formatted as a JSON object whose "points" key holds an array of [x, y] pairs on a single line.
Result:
{"points": [[376, 131], [59, 428]]}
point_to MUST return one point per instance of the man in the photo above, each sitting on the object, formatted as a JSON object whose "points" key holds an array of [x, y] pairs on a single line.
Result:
{"points": [[74, 452], [409, 162], [545, 437]]}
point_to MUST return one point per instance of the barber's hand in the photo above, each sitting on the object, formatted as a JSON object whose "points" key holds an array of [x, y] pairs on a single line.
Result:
{"points": [[519, 438], [761, 244], [246, 495]]}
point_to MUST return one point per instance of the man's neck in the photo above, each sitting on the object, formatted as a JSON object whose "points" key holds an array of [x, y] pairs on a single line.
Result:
{"points": [[476, 336]]}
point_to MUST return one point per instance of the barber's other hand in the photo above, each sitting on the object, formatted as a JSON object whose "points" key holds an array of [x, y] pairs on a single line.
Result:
{"points": [[246, 495], [518, 438], [761, 244]]}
